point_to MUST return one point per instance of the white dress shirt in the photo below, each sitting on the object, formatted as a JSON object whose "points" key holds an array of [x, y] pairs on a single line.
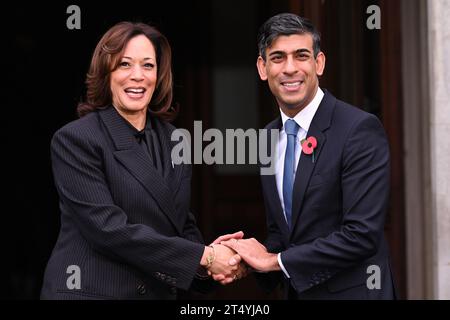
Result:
{"points": [[303, 119]]}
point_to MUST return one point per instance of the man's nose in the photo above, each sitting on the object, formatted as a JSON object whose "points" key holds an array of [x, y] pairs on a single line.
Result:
{"points": [[290, 66]]}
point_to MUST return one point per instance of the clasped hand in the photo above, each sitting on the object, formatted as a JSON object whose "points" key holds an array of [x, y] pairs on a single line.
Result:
{"points": [[227, 265]]}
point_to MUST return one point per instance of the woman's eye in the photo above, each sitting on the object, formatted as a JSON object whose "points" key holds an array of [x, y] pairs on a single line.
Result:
{"points": [[124, 64], [148, 65]]}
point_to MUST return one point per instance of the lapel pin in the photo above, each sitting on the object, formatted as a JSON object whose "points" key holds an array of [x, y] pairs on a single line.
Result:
{"points": [[308, 146]]}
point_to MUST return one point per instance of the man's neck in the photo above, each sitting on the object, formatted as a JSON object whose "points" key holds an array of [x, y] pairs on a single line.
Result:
{"points": [[292, 111]]}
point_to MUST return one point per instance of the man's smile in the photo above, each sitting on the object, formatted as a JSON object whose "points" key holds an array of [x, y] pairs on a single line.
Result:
{"points": [[292, 85]]}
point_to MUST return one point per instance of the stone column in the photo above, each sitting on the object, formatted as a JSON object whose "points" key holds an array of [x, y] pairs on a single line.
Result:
{"points": [[439, 75]]}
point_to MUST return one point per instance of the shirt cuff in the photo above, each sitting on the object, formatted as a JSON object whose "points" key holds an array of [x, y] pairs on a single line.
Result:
{"points": [[282, 266]]}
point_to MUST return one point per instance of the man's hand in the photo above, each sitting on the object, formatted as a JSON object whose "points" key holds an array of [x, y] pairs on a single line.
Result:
{"points": [[254, 254], [225, 237], [239, 269]]}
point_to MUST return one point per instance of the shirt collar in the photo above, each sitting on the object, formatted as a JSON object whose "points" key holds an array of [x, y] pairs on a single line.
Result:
{"points": [[305, 116], [131, 128]]}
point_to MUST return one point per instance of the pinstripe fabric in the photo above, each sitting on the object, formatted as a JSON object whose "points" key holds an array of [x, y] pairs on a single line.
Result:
{"points": [[127, 227]]}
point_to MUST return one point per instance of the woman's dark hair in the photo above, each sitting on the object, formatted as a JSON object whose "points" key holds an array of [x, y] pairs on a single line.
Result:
{"points": [[286, 24], [106, 59]]}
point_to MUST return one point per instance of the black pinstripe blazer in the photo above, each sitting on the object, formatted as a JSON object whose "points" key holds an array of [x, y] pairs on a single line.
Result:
{"points": [[125, 225]]}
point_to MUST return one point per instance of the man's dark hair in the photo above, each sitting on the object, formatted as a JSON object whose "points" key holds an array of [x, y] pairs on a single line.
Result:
{"points": [[285, 24]]}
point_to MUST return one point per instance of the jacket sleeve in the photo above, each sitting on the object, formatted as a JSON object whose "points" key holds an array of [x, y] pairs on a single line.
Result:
{"points": [[199, 284], [274, 244], [365, 191], [86, 198], [190, 229]]}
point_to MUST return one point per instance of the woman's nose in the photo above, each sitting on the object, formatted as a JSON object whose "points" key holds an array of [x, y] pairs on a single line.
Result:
{"points": [[137, 73]]}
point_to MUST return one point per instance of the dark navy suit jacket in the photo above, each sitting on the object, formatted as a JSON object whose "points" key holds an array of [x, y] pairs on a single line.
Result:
{"points": [[338, 211], [125, 225]]}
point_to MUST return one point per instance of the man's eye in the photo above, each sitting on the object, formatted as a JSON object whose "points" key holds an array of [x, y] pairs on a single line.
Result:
{"points": [[277, 58]]}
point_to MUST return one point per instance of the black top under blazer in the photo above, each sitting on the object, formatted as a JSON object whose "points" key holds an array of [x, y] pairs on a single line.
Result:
{"points": [[126, 225]]}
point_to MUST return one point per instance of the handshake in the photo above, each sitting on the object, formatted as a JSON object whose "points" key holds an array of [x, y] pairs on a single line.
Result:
{"points": [[230, 258]]}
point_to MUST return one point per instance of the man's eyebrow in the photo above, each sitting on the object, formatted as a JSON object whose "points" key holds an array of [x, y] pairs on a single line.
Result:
{"points": [[280, 52], [302, 50]]}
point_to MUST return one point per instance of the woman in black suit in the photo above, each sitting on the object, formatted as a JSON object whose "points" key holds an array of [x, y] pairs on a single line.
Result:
{"points": [[126, 230]]}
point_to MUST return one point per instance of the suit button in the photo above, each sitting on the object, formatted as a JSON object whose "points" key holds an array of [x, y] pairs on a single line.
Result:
{"points": [[142, 289]]}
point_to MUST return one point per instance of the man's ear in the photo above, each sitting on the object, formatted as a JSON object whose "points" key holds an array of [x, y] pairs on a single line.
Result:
{"points": [[261, 65], [320, 63]]}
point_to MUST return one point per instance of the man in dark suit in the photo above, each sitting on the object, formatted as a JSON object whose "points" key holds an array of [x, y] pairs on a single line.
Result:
{"points": [[327, 200]]}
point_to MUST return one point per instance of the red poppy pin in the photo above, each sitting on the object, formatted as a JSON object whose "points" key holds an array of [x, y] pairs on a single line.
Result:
{"points": [[308, 146]]}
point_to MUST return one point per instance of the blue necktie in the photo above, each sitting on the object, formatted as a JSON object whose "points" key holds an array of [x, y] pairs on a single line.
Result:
{"points": [[291, 128]]}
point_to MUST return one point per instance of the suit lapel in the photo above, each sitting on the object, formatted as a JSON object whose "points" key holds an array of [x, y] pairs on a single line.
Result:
{"points": [[138, 163], [270, 183], [304, 170], [272, 190], [172, 173], [320, 123]]}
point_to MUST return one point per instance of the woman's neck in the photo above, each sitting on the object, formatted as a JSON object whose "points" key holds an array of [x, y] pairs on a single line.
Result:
{"points": [[136, 119]]}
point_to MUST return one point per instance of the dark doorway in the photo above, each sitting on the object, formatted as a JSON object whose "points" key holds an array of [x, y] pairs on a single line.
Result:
{"points": [[214, 55]]}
